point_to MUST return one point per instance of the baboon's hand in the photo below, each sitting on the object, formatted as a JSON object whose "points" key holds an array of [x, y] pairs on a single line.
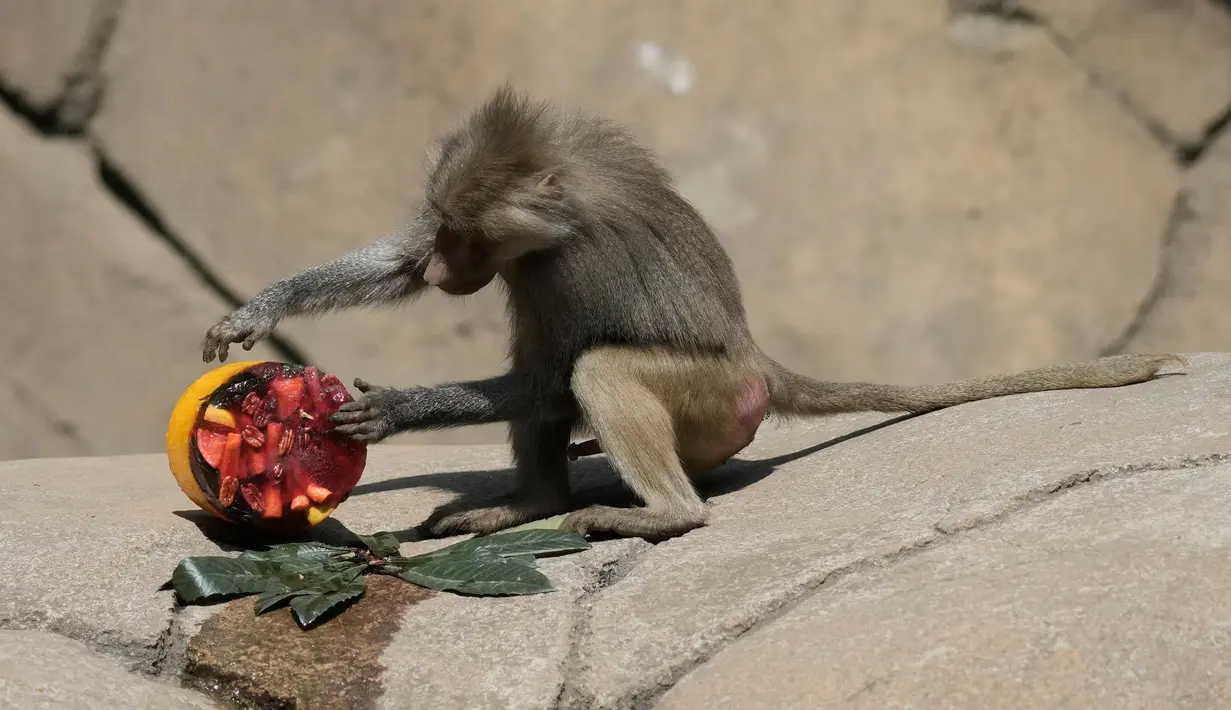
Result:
{"points": [[370, 418], [245, 325]]}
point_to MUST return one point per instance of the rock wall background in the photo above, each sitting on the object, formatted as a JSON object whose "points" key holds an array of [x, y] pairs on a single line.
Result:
{"points": [[912, 190]]}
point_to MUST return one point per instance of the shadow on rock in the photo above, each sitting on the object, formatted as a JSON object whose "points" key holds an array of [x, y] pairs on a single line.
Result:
{"points": [[738, 473], [594, 482], [231, 537]]}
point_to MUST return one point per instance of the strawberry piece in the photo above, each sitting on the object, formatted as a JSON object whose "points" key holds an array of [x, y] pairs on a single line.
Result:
{"points": [[287, 392], [273, 500], [211, 444]]}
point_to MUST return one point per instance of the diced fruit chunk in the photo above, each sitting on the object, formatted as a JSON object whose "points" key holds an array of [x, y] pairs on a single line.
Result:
{"points": [[317, 513], [221, 417], [230, 456], [299, 503], [318, 494], [312, 381], [288, 392], [272, 492], [211, 444], [257, 462]]}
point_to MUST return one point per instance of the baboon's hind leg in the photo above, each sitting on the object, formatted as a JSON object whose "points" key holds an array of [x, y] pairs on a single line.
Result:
{"points": [[637, 432]]}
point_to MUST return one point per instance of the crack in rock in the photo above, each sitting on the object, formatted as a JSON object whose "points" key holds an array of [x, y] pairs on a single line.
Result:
{"points": [[137, 657], [128, 194], [69, 116], [1164, 279], [1008, 11], [82, 86], [605, 576], [1192, 153]]}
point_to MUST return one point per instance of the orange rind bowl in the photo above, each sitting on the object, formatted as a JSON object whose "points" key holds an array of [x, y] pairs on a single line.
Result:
{"points": [[252, 443]]}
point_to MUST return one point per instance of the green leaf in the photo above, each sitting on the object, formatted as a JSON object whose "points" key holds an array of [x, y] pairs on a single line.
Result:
{"points": [[552, 523], [324, 579], [308, 609], [526, 542], [393, 564], [296, 555], [481, 575], [381, 544], [312, 582], [526, 559], [273, 598], [196, 578]]}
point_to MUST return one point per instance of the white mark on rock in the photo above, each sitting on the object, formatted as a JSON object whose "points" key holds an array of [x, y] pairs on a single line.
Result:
{"points": [[675, 72]]}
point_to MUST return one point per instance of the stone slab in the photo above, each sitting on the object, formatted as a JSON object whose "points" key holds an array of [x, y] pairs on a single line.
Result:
{"points": [[831, 505], [39, 43], [1194, 288], [628, 620], [1111, 595], [971, 213], [41, 670], [124, 524], [1170, 59], [31, 427], [500, 654], [106, 338]]}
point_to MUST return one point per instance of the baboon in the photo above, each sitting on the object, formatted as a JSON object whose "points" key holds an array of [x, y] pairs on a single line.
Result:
{"points": [[627, 322]]}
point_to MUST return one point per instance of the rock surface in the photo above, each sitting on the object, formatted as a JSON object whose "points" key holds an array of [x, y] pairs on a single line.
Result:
{"points": [[40, 670], [1001, 525], [970, 212], [909, 193], [1111, 595], [106, 336], [1189, 306], [1170, 59], [40, 43]]}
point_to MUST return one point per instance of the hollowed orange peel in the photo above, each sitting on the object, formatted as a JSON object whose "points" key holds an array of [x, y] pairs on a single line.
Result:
{"points": [[251, 443]]}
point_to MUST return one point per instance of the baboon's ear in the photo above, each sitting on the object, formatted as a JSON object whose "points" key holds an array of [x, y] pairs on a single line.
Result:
{"points": [[549, 181]]}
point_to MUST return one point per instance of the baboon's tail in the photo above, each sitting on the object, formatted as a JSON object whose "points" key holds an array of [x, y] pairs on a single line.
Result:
{"points": [[792, 394]]}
